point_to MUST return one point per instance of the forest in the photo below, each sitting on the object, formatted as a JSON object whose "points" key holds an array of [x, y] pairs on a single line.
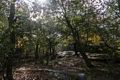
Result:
{"points": [[59, 39]]}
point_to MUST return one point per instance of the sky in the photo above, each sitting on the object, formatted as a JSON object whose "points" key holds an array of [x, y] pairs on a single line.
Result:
{"points": [[96, 3], [39, 1]]}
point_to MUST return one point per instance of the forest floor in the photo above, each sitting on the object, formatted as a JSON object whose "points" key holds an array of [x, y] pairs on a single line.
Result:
{"points": [[67, 68]]}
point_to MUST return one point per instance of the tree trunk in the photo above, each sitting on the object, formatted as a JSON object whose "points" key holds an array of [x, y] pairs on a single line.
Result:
{"points": [[9, 75], [75, 49], [87, 61], [50, 46], [83, 54], [36, 53], [9, 59], [81, 48]]}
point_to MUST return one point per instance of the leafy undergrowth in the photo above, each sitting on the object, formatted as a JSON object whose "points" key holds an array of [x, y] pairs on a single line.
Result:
{"points": [[67, 68], [60, 69], [75, 64]]}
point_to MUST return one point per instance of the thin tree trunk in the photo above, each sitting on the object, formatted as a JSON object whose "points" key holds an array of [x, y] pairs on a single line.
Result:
{"points": [[75, 49], [36, 52]]}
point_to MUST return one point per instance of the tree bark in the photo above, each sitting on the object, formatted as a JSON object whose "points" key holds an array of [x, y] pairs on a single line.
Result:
{"points": [[9, 58], [36, 52], [9, 75]]}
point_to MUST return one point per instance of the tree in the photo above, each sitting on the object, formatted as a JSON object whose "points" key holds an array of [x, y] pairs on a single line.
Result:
{"points": [[71, 15], [9, 57]]}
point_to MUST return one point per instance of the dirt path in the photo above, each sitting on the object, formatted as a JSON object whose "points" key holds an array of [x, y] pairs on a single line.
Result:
{"points": [[31, 72], [66, 69]]}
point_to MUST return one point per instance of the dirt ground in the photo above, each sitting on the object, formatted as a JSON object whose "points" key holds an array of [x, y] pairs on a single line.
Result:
{"points": [[67, 68]]}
